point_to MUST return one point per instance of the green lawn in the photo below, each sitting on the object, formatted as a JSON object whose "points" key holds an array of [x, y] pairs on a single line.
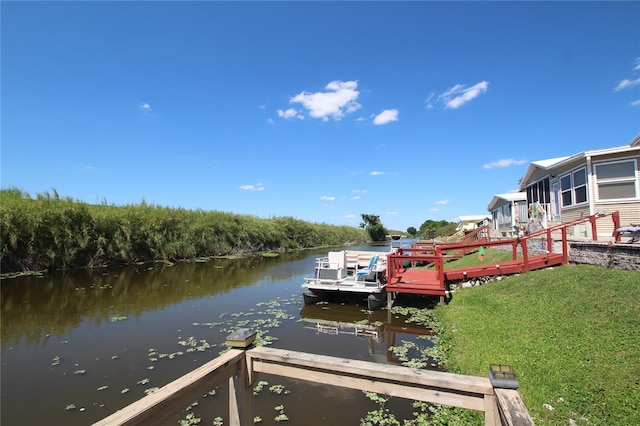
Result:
{"points": [[572, 333]]}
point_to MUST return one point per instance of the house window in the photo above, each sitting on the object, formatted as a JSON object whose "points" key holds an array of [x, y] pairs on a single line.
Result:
{"points": [[616, 180], [574, 188]]}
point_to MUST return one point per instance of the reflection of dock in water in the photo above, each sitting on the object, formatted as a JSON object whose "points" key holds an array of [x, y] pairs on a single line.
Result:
{"points": [[337, 327], [344, 320], [380, 327]]}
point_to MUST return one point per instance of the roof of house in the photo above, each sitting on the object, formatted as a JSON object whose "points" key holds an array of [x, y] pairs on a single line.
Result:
{"points": [[474, 218], [553, 163], [510, 196]]}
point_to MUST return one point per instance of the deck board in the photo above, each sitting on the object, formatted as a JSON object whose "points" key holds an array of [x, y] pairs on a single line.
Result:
{"points": [[425, 281]]}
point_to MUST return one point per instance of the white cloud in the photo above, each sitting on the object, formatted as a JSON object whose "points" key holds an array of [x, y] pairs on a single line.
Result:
{"points": [[355, 197], [429, 100], [350, 216], [359, 191], [626, 83], [257, 187], [391, 213], [338, 99], [434, 209], [290, 113], [270, 121], [443, 202], [503, 163], [145, 108], [263, 106], [386, 116], [376, 173], [458, 95], [328, 198]]}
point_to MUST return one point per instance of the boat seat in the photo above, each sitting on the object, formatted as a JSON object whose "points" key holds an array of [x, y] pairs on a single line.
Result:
{"points": [[369, 269]]}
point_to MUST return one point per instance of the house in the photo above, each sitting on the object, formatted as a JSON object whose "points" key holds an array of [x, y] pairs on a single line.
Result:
{"points": [[587, 183], [469, 223], [508, 212]]}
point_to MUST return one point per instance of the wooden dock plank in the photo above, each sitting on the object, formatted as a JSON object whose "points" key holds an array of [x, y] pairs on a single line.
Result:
{"points": [[158, 407], [373, 370], [513, 412], [393, 380], [417, 281]]}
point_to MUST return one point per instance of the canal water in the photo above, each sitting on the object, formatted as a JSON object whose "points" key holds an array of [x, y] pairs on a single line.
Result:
{"points": [[79, 345]]}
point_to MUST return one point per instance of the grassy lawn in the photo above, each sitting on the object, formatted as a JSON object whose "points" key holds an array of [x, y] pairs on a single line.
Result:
{"points": [[490, 256], [572, 333]]}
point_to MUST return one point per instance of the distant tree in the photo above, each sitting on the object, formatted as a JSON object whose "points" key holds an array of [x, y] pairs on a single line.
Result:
{"points": [[412, 231], [371, 223], [431, 229], [369, 220]]}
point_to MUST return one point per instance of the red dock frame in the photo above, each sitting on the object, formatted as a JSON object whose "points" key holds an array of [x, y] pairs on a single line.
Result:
{"points": [[432, 278]]}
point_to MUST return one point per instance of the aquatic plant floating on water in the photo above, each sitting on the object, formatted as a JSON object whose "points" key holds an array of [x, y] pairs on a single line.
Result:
{"points": [[191, 419], [118, 317], [281, 417]]}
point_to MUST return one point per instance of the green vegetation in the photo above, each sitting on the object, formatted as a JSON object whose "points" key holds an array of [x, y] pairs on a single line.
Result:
{"points": [[473, 259], [50, 232], [571, 333], [432, 229], [371, 223]]}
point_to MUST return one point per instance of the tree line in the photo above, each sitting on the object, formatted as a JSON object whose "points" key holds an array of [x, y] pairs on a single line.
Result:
{"points": [[429, 229]]}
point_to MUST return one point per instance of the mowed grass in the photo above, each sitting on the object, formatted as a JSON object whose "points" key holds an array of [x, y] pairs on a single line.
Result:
{"points": [[572, 333], [491, 256]]}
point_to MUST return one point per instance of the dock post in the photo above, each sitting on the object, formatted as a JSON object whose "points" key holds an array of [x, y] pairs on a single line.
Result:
{"points": [[240, 385], [390, 299]]}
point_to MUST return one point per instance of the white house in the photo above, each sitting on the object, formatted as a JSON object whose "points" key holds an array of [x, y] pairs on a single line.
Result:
{"points": [[595, 181], [469, 223], [508, 212]]}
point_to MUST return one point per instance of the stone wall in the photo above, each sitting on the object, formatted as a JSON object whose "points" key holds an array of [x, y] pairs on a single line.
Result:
{"points": [[618, 255]]}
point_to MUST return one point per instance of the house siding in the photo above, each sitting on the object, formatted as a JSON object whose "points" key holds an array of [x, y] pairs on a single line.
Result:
{"points": [[628, 208], [629, 213]]}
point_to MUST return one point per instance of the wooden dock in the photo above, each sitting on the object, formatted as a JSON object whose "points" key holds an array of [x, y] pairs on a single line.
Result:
{"points": [[421, 268], [240, 369]]}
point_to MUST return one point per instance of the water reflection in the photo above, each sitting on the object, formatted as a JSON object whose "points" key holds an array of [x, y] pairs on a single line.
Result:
{"points": [[382, 330], [36, 308]]}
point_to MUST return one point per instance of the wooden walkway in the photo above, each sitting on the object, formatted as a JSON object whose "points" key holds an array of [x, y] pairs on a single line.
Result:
{"points": [[421, 269]]}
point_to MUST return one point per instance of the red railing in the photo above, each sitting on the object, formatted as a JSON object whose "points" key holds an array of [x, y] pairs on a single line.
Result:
{"points": [[432, 277]]}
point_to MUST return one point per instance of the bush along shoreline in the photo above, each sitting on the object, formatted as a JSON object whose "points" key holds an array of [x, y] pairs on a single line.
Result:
{"points": [[49, 232]]}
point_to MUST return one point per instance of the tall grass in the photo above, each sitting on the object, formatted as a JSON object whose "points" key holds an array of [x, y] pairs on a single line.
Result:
{"points": [[50, 232]]}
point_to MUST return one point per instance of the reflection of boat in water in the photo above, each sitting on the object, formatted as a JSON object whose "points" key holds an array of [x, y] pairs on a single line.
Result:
{"points": [[360, 274], [382, 330], [341, 321]]}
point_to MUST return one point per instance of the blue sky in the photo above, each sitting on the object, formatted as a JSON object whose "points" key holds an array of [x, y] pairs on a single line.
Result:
{"points": [[317, 110]]}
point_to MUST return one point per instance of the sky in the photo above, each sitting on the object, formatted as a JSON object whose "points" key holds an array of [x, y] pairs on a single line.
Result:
{"points": [[321, 111]]}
